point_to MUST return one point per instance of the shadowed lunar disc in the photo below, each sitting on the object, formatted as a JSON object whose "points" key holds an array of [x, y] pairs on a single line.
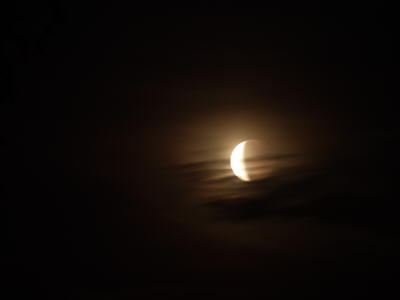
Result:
{"points": [[248, 160]]}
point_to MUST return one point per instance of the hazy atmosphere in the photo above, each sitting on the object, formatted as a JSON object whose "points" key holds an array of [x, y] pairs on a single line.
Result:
{"points": [[117, 136]]}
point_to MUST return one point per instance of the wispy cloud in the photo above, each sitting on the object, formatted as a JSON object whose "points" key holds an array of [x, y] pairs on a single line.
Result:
{"points": [[338, 192]]}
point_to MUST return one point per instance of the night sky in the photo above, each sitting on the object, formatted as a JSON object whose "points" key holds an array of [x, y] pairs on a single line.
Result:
{"points": [[117, 126]]}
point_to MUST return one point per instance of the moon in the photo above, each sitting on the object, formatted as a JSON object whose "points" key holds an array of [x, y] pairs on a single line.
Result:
{"points": [[249, 160], [237, 162]]}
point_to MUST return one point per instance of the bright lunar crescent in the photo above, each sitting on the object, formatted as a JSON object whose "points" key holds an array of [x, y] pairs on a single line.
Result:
{"points": [[237, 162]]}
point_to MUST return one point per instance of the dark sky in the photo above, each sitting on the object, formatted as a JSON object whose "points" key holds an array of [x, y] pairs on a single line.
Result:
{"points": [[117, 126]]}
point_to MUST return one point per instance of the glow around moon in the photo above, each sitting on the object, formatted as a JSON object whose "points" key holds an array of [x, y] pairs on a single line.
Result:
{"points": [[237, 162]]}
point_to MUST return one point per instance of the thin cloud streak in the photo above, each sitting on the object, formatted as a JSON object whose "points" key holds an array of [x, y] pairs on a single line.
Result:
{"points": [[328, 193]]}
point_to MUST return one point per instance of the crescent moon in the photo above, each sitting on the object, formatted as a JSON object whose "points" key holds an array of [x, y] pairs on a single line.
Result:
{"points": [[237, 162]]}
